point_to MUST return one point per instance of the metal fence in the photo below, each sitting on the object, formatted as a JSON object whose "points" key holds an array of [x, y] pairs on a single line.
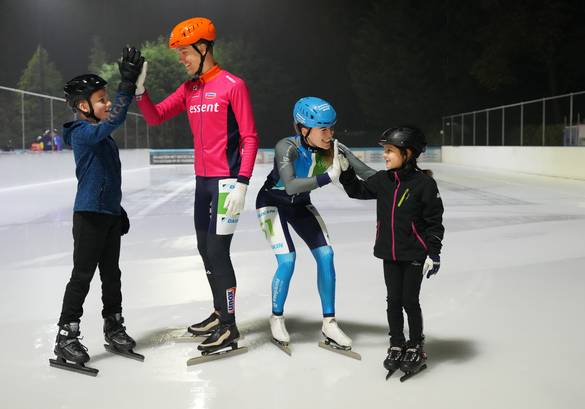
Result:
{"points": [[26, 116], [552, 121]]}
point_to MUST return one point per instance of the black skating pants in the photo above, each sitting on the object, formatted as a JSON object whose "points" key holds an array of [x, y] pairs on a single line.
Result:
{"points": [[403, 282], [214, 241], [96, 243]]}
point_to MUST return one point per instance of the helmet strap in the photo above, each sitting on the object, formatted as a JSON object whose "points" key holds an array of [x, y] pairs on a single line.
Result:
{"points": [[91, 113], [202, 61], [305, 138]]}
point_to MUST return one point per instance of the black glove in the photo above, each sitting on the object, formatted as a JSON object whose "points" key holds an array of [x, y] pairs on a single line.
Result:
{"points": [[130, 67], [124, 222]]}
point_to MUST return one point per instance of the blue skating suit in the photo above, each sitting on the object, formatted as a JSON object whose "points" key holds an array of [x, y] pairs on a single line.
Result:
{"points": [[285, 200]]}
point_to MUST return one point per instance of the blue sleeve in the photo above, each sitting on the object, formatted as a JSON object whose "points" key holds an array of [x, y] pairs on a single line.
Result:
{"points": [[95, 133]]}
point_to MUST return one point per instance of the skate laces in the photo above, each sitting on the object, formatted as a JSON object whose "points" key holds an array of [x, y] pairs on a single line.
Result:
{"points": [[118, 331], [395, 352], [411, 354]]}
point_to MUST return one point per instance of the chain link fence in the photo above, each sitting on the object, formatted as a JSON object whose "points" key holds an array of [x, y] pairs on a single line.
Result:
{"points": [[31, 121], [552, 121]]}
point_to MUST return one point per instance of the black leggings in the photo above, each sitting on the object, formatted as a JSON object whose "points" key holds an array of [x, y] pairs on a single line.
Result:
{"points": [[214, 236], [403, 281], [96, 243]]}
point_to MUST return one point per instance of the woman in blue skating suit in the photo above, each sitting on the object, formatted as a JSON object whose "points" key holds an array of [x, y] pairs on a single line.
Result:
{"points": [[302, 163]]}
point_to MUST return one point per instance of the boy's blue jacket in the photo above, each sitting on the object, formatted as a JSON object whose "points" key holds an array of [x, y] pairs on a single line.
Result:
{"points": [[97, 160]]}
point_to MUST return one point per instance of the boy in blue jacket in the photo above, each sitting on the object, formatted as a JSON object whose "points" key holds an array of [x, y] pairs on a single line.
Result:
{"points": [[98, 218]]}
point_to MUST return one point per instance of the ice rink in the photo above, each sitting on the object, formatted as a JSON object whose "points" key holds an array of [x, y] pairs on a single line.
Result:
{"points": [[503, 318]]}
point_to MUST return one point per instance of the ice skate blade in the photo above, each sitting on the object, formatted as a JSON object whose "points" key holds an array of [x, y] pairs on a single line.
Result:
{"points": [[212, 356], [409, 375], [282, 346], [61, 363], [390, 373], [190, 337], [126, 354], [347, 352]]}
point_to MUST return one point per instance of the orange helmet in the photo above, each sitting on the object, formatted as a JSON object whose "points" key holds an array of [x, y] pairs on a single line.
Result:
{"points": [[191, 31]]}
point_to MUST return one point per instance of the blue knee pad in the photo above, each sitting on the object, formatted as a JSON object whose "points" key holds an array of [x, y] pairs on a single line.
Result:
{"points": [[325, 278], [281, 281]]}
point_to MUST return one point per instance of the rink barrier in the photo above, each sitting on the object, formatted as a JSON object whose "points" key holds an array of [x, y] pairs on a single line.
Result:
{"points": [[266, 156], [24, 167], [20, 168], [555, 161]]}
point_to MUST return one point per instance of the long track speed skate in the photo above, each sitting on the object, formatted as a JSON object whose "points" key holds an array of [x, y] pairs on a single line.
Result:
{"points": [[118, 341], [216, 345], [283, 346], [71, 354], [125, 353], [207, 356], [280, 336], [336, 340], [199, 331], [62, 363], [331, 345]]}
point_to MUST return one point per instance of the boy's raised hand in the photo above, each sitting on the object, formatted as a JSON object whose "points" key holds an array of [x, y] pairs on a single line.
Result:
{"points": [[130, 65]]}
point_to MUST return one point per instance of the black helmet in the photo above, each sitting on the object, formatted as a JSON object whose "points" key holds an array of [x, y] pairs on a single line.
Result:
{"points": [[405, 137], [81, 87]]}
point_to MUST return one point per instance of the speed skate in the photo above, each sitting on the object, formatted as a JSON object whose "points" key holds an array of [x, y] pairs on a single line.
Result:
{"points": [[207, 356], [336, 340]]}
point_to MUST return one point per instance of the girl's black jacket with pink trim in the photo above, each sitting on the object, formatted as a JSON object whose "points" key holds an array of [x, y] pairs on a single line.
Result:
{"points": [[409, 212]]}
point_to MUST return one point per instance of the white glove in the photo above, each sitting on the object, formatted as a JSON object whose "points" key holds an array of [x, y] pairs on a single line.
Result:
{"points": [[342, 158], [431, 267], [234, 202], [140, 81], [335, 169], [343, 162]]}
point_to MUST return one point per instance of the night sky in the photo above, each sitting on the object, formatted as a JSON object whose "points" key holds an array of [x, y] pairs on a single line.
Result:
{"points": [[379, 61], [64, 27]]}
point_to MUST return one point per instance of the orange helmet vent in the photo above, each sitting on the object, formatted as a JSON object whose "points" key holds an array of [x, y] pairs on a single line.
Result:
{"points": [[191, 31]]}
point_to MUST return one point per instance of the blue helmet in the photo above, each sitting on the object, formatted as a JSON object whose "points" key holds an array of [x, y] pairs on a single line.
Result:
{"points": [[313, 112]]}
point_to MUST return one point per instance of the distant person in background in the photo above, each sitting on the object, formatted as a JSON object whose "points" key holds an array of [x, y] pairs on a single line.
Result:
{"points": [[37, 145], [47, 140], [57, 141]]}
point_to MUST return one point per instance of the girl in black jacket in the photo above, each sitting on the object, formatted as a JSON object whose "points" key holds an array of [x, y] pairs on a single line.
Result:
{"points": [[409, 233]]}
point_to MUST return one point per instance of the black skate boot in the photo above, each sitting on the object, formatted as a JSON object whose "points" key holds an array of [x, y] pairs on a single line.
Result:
{"points": [[393, 360], [68, 348], [118, 341], [413, 361], [205, 327], [224, 335], [214, 347]]}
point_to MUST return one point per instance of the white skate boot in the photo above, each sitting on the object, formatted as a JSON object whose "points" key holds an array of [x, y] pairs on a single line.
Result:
{"points": [[280, 336], [335, 339]]}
